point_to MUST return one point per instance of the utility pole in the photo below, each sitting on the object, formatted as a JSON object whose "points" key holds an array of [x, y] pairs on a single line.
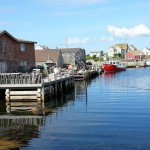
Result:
{"points": [[66, 41]]}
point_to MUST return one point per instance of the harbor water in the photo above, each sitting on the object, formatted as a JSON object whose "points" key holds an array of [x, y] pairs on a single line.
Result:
{"points": [[109, 112]]}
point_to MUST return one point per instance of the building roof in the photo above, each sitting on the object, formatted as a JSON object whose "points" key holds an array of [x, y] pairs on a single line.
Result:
{"points": [[136, 53], [17, 40], [122, 46], [25, 41], [147, 48], [45, 55], [112, 47], [133, 47], [69, 50], [41, 47], [96, 52], [5, 32]]}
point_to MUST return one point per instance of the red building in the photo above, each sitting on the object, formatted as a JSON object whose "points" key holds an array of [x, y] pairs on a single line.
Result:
{"points": [[16, 55], [135, 55]]}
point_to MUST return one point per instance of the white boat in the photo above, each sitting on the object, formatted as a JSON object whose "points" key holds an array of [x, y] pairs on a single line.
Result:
{"points": [[147, 63]]}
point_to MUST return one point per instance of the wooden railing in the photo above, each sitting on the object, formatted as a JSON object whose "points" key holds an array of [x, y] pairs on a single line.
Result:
{"points": [[19, 78]]}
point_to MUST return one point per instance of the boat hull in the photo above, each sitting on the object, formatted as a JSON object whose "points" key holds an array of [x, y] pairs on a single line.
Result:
{"points": [[147, 63], [113, 68]]}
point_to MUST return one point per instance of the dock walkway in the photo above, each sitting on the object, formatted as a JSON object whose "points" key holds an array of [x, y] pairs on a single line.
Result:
{"points": [[20, 89], [23, 91]]}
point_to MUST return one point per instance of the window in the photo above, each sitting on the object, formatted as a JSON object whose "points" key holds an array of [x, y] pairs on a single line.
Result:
{"points": [[3, 46], [22, 47], [23, 63], [115, 50], [23, 66]]}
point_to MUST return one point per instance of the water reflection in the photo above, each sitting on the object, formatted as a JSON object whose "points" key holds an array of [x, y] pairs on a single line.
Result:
{"points": [[116, 115], [19, 129], [17, 121], [109, 74], [132, 78]]}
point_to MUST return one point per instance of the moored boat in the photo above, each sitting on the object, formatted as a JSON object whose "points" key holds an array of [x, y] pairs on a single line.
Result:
{"points": [[113, 66], [147, 63]]}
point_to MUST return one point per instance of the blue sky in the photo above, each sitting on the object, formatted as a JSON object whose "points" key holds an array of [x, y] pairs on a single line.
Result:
{"points": [[93, 25]]}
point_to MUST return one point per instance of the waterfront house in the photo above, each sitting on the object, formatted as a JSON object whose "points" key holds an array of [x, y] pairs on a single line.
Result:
{"points": [[74, 56], [50, 57], [16, 55], [146, 51], [41, 47], [96, 53], [135, 55], [121, 49]]}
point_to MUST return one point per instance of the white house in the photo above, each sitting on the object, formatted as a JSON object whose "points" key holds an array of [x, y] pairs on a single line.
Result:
{"points": [[112, 51], [41, 47], [120, 49], [146, 51], [96, 53]]}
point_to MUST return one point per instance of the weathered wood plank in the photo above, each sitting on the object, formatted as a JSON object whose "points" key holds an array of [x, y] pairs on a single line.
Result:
{"points": [[21, 108], [23, 97], [21, 86], [23, 93], [23, 104]]}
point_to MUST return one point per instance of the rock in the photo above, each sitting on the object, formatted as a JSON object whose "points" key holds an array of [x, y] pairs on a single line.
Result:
{"points": [[37, 110]]}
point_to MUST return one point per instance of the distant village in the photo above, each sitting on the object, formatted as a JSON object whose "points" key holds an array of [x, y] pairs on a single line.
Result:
{"points": [[18, 55], [123, 51]]}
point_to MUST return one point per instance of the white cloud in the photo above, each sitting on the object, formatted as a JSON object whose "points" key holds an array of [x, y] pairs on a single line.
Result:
{"points": [[106, 39], [137, 31], [77, 41]]}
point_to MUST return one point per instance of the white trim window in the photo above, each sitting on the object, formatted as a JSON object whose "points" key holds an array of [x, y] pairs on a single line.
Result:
{"points": [[22, 47]]}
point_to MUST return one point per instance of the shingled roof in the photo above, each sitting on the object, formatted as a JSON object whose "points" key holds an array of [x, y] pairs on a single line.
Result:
{"points": [[44, 55], [137, 53], [17, 40], [122, 46], [69, 50]]}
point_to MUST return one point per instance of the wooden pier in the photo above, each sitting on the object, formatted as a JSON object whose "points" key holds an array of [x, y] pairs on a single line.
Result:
{"points": [[23, 91], [84, 75]]}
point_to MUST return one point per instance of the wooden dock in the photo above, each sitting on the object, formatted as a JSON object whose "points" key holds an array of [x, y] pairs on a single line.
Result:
{"points": [[84, 75], [23, 91]]}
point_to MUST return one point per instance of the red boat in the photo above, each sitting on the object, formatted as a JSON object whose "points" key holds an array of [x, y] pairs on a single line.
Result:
{"points": [[113, 66]]}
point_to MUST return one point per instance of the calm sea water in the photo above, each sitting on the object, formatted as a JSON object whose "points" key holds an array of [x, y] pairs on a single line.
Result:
{"points": [[110, 112]]}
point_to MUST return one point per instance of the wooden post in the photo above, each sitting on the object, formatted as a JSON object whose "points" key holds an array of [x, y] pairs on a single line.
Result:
{"points": [[39, 96], [43, 93], [50, 92], [55, 86], [66, 84], [61, 85], [7, 95]]}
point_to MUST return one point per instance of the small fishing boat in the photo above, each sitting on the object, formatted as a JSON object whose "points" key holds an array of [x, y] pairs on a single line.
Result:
{"points": [[147, 63], [113, 66]]}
